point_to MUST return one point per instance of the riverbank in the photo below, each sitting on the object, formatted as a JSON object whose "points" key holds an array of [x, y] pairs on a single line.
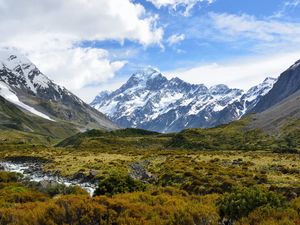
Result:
{"points": [[32, 170]]}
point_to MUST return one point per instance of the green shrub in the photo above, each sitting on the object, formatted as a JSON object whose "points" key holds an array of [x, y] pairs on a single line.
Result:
{"points": [[116, 183], [243, 201]]}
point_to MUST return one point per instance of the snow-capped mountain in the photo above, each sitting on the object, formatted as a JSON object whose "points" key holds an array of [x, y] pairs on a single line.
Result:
{"points": [[22, 84], [150, 101]]}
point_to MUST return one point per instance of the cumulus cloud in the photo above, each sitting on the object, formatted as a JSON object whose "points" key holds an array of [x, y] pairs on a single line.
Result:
{"points": [[78, 66], [237, 73], [49, 33], [79, 19], [174, 4], [175, 38]]}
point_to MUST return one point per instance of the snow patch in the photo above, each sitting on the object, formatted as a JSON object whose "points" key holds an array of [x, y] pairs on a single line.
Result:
{"points": [[9, 95]]}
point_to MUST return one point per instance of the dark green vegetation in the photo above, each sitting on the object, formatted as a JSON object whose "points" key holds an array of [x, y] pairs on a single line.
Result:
{"points": [[104, 136], [234, 136], [115, 184], [241, 202], [228, 174]]}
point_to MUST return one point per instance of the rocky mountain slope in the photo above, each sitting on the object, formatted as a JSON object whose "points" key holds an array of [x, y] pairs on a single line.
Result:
{"points": [[288, 84], [276, 118], [148, 100], [14, 119], [22, 84], [281, 106]]}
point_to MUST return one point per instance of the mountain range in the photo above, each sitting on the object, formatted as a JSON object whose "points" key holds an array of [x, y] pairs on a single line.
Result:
{"points": [[148, 100], [30, 101], [29, 98]]}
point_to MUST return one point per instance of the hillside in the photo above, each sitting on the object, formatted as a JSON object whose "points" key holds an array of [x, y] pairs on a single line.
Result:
{"points": [[22, 84], [288, 84], [280, 115], [12, 117]]}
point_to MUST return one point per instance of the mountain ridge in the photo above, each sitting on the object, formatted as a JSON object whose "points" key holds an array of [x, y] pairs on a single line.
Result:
{"points": [[24, 85], [148, 100], [288, 83], [281, 105]]}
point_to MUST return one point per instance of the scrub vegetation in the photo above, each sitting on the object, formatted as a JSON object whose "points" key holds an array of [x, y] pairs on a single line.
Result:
{"points": [[223, 175]]}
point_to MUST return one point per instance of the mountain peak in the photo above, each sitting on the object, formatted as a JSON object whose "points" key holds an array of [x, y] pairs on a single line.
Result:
{"points": [[21, 71], [148, 100], [149, 78], [219, 89], [12, 60], [23, 84], [146, 73], [296, 65]]}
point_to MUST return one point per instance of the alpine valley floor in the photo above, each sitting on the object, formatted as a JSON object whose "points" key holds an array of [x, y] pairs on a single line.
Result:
{"points": [[144, 177]]}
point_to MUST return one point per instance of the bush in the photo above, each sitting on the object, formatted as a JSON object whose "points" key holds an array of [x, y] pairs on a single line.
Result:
{"points": [[9, 177], [130, 208], [17, 193], [266, 215], [116, 184], [243, 201], [62, 189]]}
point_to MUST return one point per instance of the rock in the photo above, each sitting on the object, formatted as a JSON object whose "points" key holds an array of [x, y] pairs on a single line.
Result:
{"points": [[93, 173], [79, 176], [139, 172], [48, 183]]}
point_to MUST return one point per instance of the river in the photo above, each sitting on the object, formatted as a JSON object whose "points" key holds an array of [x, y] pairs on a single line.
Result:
{"points": [[33, 172]]}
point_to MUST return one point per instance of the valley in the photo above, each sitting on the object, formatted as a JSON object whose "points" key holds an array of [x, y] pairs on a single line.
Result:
{"points": [[149, 112], [145, 175], [241, 172]]}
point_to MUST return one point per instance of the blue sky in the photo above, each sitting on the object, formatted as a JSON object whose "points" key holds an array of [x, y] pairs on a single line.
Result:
{"points": [[236, 42], [204, 43]]}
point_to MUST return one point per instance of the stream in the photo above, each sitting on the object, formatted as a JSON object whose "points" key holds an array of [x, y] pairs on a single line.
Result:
{"points": [[34, 172]]}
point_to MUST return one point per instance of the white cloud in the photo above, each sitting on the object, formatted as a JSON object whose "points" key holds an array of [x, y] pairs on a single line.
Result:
{"points": [[238, 73], [274, 45], [75, 20], [78, 66], [292, 3], [174, 4], [246, 26], [109, 85], [49, 31], [176, 38]]}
